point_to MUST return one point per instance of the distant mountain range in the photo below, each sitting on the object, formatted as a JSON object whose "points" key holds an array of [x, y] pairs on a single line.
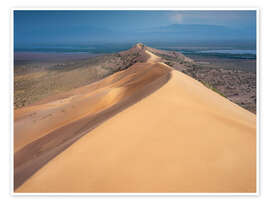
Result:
{"points": [[171, 33], [180, 32]]}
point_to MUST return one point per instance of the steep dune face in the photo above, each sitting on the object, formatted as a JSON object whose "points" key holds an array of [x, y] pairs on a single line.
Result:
{"points": [[166, 133], [42, 131], [35, 121]]}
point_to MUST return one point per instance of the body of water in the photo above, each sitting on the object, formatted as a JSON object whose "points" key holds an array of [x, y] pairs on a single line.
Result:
{"points": [[222, 53], [79, 51], [232, 51]]}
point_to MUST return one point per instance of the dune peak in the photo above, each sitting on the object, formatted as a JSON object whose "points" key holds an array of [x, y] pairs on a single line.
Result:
{"points": [[140, 45]]}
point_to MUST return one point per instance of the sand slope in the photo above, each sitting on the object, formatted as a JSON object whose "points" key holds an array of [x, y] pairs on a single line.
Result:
{"points": [[182, 137], [44, 130]]}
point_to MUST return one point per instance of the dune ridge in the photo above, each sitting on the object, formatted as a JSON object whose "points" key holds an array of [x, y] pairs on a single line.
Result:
{"points": [[44, 130], [177, 136]]}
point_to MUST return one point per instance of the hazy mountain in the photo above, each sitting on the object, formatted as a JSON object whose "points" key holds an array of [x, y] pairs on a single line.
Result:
{"points": [[172, 33]]}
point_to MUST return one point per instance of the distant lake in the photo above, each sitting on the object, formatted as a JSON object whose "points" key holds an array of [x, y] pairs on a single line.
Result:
{"points": [[224, 53], [232, 51], [59, 52]]}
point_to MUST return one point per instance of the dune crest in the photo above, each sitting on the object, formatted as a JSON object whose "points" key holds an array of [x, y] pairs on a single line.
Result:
{"points": [[44, 130], [166, 133]]}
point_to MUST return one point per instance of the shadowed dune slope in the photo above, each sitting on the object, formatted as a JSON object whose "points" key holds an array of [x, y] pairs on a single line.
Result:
{"points": [[44, 130], [182, 137]]}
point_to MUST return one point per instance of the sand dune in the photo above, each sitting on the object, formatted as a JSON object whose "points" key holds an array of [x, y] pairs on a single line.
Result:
{"points": [[146, 129], [44, 130]]}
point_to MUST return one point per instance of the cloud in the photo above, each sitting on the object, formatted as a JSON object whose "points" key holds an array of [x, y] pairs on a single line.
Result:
{"points": [[177, 18], [226, 18]]}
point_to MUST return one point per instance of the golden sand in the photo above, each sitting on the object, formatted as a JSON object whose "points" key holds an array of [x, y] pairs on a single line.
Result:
{"points": [[183, 137]]}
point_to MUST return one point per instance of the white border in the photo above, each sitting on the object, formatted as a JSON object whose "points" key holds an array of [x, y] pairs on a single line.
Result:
{"points": [[258, 145], [258, 96]]}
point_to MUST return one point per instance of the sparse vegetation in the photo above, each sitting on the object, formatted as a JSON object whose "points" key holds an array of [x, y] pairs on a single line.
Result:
{"points": [[34, 81], [238, 86], [212, 88]]}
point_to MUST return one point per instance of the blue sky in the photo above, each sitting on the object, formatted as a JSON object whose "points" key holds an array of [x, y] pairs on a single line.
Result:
{"points": [[32, 27]]}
